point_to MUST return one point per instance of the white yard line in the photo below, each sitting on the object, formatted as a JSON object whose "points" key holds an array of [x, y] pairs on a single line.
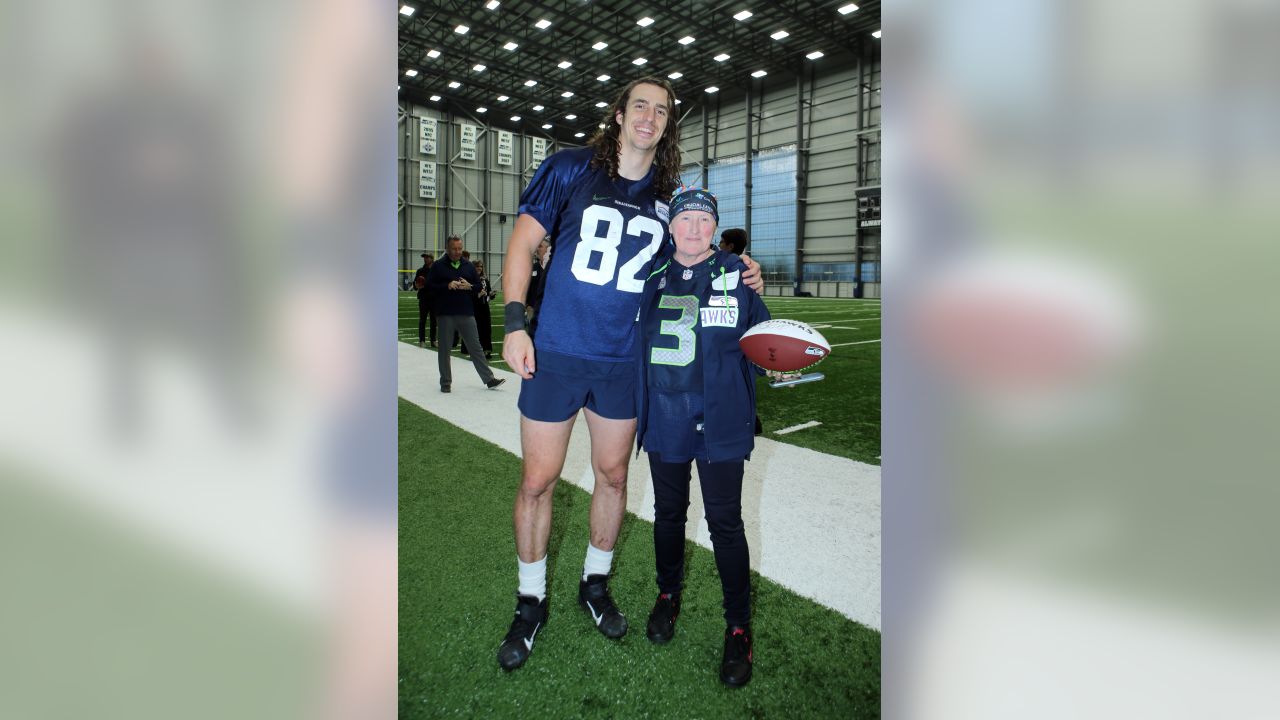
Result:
{"points": [[812, 519], [833, 320], [801, 426], [860, 342]]}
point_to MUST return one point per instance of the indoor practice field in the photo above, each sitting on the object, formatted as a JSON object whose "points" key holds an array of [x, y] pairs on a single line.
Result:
{"points": [[456, 585], [457, 575]]}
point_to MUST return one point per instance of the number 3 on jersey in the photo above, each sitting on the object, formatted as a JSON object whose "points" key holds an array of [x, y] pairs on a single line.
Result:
{"points": [[593, 219]]}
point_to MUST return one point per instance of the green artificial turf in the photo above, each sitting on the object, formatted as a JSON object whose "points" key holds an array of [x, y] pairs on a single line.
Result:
{"points": [[847, 402], [457, 595]]}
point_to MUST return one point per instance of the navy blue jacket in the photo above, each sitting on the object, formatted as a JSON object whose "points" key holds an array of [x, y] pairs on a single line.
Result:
{"points": [[728, 378], [452, 302]]}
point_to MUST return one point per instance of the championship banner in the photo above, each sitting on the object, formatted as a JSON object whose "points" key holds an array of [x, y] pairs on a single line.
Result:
{"points": [[426, 179], [505, 146], [427, 136], [539, 151], [469, 134]]}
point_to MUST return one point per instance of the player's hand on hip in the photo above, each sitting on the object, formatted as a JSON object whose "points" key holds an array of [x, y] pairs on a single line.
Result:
{"points": [[751, 277], [517, 351]]}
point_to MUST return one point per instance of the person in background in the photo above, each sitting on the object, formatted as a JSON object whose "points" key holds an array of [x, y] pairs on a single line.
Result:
{"points": [[484, 320], [734, 240], [537, 280], [425, 310], [454, 281], [466, 255], [694, 310]]}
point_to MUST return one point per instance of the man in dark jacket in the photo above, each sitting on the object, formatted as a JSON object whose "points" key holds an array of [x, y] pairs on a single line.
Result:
{"points": [[424, 301], [453, 282]]}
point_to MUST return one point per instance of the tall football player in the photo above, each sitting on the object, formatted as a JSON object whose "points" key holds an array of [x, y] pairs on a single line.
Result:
{"points": [[605, 208]]}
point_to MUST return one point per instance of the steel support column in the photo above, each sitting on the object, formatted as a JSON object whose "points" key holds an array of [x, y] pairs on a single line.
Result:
{"points": [[746, 221], [802, 177], [857, 222], [704, 144]]}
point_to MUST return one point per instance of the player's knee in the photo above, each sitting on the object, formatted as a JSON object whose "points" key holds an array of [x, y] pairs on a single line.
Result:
{"points": [[535, 485], [612, 477]]}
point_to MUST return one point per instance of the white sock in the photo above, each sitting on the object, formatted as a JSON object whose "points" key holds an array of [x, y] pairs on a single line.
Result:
{"points": [[533, 578], [598, 561]]}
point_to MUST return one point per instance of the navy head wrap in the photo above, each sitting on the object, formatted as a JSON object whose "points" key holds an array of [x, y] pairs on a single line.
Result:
{"points": [[692, 198]]}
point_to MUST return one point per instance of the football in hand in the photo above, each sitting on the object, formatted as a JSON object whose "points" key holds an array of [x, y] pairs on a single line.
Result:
{"points": [[784, 345], [419, 282]]}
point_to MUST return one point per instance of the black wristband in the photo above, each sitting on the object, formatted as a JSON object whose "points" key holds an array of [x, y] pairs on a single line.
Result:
{"points": [[513, 316]]}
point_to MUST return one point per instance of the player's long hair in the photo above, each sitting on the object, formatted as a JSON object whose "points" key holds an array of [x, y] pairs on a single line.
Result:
{"points": [[607, 146]]}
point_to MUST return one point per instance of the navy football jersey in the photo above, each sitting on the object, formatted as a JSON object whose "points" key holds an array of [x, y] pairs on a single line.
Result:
{"points": [[604, 236], [675, 358]]}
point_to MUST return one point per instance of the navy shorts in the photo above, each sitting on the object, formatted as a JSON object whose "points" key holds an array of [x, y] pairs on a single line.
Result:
{"points": [[563, 385]]}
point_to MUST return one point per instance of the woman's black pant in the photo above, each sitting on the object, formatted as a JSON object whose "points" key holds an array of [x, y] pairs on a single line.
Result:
{"points": [[722, 498]]}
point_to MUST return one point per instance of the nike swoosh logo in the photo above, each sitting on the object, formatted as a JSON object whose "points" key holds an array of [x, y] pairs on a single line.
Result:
{"points": [[598, 198], [594, 615], [528, 642]]}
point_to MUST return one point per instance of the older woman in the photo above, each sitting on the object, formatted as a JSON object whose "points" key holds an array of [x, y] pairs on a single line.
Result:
{"points": [[697, 404]]}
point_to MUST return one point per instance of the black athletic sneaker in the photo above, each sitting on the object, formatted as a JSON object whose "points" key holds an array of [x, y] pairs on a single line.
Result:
{"points": [[495, 383], [735, 670], [593, 596], [662, 620], [531, 615]]}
